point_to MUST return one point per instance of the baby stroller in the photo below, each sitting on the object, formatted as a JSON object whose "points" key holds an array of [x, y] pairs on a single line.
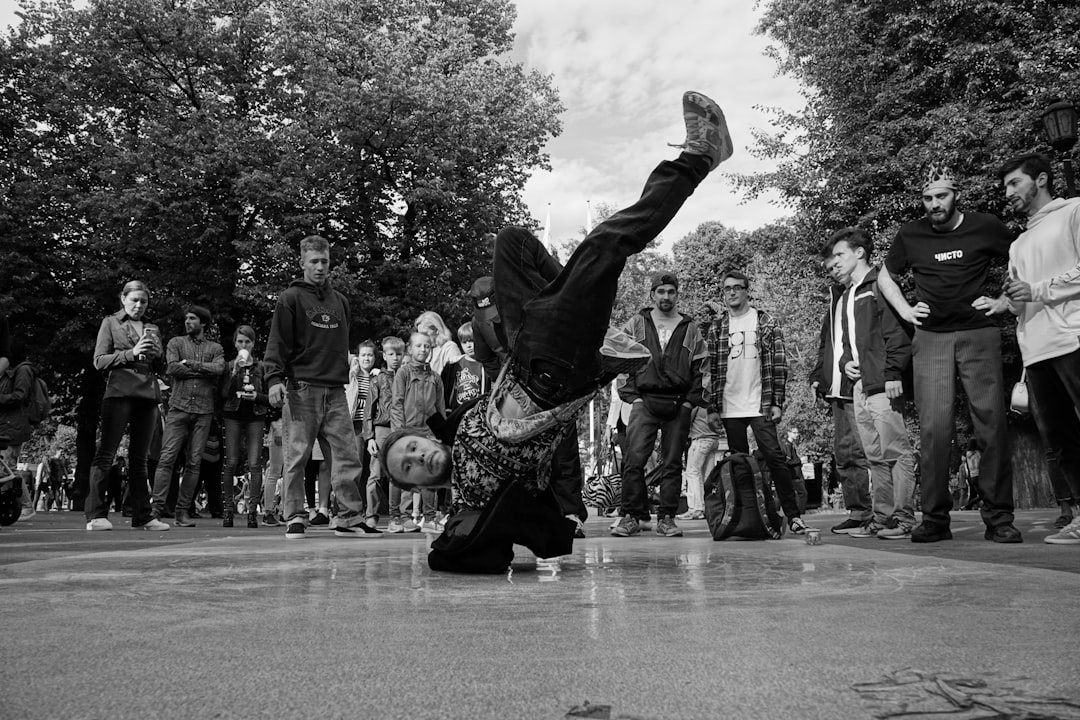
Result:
{"points": [[12, 487]]}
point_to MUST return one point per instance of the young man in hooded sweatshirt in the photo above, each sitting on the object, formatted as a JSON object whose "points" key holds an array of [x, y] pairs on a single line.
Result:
{"points": [[307, 369], [1044, 292]]}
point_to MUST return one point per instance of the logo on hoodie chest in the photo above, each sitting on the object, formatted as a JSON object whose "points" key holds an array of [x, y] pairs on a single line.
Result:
{"points": [[323, 317]]}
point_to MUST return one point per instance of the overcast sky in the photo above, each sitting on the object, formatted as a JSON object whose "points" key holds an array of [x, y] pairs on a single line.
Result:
{"points": [[620, 67]]}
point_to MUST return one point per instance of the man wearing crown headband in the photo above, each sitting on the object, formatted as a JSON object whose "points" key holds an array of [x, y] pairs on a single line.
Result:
{"points": [[949, 253]]}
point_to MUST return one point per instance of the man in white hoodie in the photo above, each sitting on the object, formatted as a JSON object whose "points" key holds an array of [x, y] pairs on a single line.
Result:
{"points": [[1044, 292]]}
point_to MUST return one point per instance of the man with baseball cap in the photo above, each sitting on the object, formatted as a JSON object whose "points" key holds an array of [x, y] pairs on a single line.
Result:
{"points": [[950, 253], [661, 394]]}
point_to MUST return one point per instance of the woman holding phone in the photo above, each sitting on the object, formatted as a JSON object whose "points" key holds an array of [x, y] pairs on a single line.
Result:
{"points": [[129, 349]]}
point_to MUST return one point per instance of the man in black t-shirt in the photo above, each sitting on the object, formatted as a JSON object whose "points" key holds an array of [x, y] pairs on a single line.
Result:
{"points": [[950, 253]]}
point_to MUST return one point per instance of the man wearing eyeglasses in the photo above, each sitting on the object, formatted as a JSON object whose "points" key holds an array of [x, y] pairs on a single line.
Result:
{"points": [[748, 380]]}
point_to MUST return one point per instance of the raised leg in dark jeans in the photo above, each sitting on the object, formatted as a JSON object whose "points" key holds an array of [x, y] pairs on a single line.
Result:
{"points": [[555, 320], [769, 443]]}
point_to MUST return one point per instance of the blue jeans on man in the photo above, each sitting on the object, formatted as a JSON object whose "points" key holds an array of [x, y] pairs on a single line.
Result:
{"points": [[320, 413], [640, 439], [180, 427]]}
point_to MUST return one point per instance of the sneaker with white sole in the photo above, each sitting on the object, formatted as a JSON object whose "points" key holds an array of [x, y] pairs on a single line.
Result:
{"points": [[621, 353], [797, 526], [691, 515], [153, 524], [895, 530], [706, 129], [396, 526], [99, 524], [295, 531], [27, 513], [1068, 535], [868, 529], [410, 526], [626, 527], [430, 527], [666, 527]]}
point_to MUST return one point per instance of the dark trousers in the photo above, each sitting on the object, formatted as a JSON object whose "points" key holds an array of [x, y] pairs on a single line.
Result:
{"points": [[184, 432], [555, 318], [140, 417], [641, 433], [242, 434], [1054, 392], [851, 463], [976, 354], [769, 444], [567, 476]]}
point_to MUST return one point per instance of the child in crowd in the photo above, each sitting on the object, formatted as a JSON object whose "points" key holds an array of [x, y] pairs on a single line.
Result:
{"points": [[361, 373], [465, 378], [417, 395], [443, 348], [375, 429]]}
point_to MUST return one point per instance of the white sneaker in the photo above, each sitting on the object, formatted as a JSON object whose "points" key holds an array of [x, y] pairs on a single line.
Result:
{"points": [[1068, 535], [99, 524], [430, 526], [154, 524]]}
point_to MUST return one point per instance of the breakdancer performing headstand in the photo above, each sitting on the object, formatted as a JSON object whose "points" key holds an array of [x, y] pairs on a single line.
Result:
{"points": [[496, 452]]}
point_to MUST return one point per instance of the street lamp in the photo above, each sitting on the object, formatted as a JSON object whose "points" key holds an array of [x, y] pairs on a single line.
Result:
{"points": [[1059, 123]]}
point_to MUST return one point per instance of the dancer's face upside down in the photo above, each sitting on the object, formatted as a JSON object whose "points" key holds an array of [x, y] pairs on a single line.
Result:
{"points": [[418, 461]]}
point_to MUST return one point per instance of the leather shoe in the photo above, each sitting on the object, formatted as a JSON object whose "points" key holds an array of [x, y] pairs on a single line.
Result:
{"points": [[928, 533], [1006, 533]]}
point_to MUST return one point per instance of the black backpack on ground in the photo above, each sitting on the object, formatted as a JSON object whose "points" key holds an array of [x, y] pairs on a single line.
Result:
{"points": [[739, 502]]}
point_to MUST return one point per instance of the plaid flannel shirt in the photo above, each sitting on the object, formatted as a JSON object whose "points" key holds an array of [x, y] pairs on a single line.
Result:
{"points": [[774, 368]]}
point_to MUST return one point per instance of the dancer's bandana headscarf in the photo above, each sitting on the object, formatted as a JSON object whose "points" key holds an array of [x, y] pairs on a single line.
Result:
{"points": [[938, 177]]}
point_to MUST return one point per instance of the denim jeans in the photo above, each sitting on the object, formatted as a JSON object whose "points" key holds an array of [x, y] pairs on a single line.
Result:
{"points": [[851, 463], [180, 426], [769, 444], [238, 433], [700, 459], [640, 441], [373, 493], [555, 317], [275, 460], [140, 417], [1054, 392], [936, 358], [888, 450], [318, 412]]}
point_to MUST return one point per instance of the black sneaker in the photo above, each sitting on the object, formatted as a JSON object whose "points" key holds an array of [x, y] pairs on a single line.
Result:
{"points": [[320, 519], [356, 531], [928, 533], [847, 526], [1006, 533], [269, 519], [295, 531]]}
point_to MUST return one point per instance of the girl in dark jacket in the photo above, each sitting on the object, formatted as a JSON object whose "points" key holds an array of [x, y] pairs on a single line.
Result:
{"points": [[243, 389]]}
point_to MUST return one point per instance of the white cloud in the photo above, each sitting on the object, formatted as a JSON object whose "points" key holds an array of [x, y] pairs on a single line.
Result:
{"points": [[620, 67]]}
